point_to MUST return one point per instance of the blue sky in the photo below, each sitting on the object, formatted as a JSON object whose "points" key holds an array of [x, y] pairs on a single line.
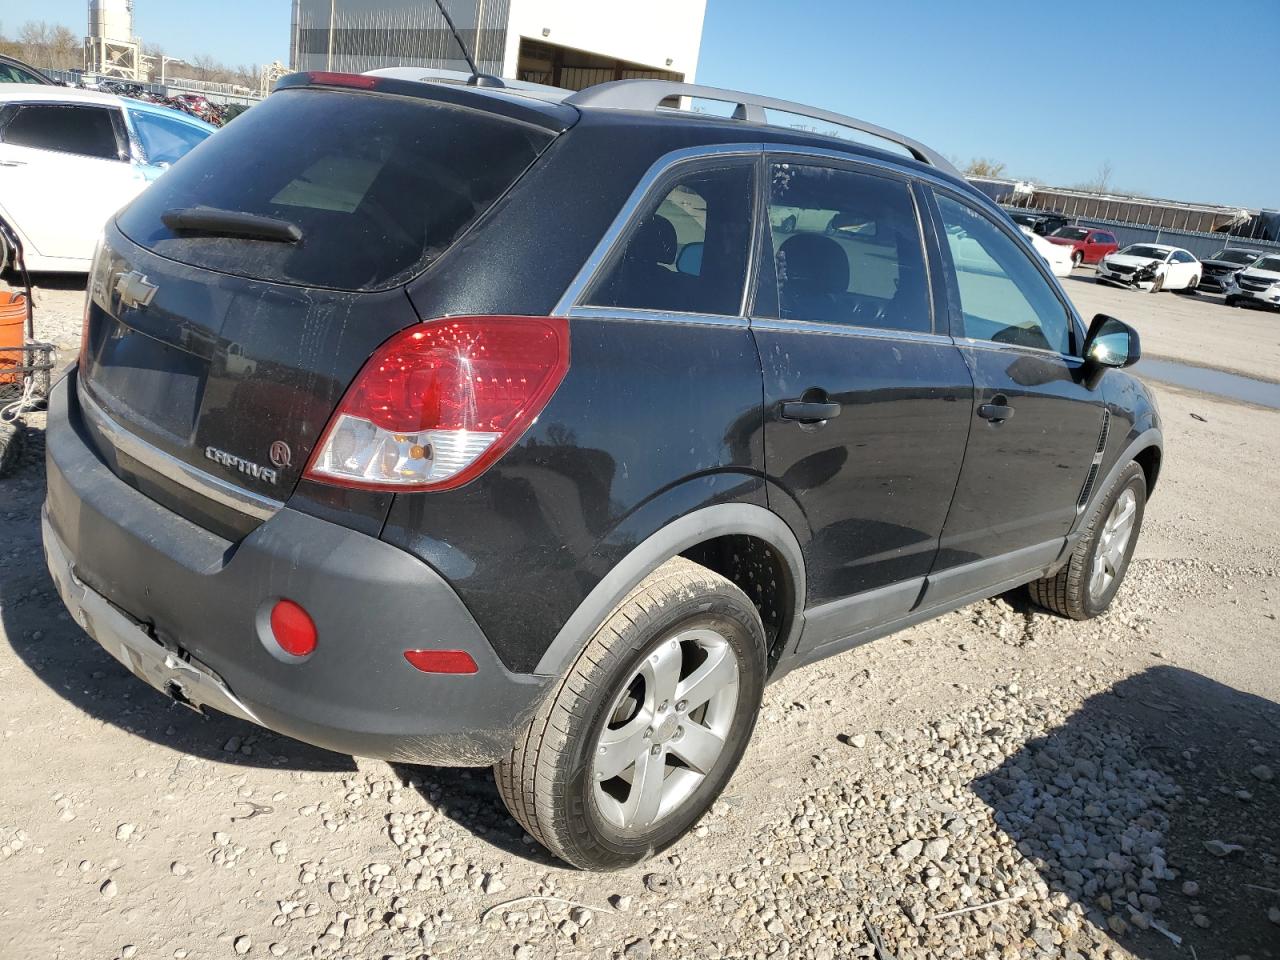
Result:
{"points": [[1052, 89]]}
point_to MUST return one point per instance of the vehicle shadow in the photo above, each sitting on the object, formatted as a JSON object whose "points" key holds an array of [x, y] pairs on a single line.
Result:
{"points": [[469, 797], [1116, 806], [73, 666]]}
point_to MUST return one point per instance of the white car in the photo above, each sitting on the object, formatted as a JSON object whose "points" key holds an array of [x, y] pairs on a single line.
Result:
{"points": [[1056, 255], [69, 159], [1151, 266], [1258, 283]]}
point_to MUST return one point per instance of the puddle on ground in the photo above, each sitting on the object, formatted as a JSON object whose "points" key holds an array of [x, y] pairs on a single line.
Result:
{"points": [[1213, 382]]}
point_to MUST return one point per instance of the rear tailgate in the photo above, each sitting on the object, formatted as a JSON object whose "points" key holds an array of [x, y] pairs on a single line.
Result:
{"points": [[213, 359], [210, 397]]}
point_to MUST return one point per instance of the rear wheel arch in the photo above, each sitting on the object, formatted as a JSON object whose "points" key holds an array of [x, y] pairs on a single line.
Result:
{"points": [[740, 541]]}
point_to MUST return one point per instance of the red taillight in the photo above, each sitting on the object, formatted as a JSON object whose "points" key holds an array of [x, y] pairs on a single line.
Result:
{"points": [[438, 403], [332, 79], [442, 661], [293, 628]]}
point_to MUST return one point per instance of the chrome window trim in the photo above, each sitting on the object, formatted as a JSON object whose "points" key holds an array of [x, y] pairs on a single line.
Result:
{"points": [[659, 168], [825, 328], [665, 316], [569, 306], [978, 343], [569, 300], [206, 485]]}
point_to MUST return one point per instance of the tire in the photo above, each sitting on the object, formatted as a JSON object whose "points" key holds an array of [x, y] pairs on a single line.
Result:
{"points": [[1230, 301], [549, 782], [1073, 592], [1190, 289], [1077, 259]]}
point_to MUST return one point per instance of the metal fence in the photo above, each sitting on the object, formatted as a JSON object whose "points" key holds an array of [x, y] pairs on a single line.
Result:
{"points": [[1201, 245], [215, 92]]}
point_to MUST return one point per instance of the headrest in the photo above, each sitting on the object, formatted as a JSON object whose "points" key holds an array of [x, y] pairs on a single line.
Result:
{"points": [[815, 261], [654, 242]]}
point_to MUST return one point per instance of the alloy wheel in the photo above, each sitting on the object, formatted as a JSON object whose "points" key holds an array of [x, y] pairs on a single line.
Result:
{"points": [[1108, 555], [666, 729]]}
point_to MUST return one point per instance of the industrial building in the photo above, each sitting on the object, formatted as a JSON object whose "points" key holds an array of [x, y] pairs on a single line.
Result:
{"points": [[565, 43]]}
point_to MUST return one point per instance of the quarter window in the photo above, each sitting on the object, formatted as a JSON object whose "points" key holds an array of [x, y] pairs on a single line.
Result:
{"points": [[1004, 297], [687, 251], [846, 249], [85, 131]]}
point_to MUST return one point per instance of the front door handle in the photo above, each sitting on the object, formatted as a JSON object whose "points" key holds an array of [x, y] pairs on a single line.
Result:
{"points": [[809, 411], [13, 163], [997, 411]]}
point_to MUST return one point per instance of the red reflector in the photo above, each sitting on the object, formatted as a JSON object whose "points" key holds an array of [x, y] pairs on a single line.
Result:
{"points": [[441, 661], [293, 628], [332, 79]]}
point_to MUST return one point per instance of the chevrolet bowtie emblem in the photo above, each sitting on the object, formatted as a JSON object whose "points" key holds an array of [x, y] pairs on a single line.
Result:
{"points": [[134, 289]]}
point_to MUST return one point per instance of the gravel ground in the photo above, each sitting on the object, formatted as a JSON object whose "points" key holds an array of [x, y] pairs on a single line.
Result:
{"points": [[997, 783]]}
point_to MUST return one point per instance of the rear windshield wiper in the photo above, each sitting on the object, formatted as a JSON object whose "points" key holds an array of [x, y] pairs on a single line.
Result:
{"points": [[211, 222]]}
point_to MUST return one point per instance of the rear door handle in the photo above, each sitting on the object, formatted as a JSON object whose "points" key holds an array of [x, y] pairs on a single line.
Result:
{"points": [[997, 411], [809, 411]]}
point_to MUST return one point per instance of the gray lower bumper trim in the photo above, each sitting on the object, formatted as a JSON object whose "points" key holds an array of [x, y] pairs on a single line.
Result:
{"points": [[186, 681]]}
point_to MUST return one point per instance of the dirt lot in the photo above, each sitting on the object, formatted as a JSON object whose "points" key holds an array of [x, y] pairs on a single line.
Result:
{"points": [[1098, 783]]}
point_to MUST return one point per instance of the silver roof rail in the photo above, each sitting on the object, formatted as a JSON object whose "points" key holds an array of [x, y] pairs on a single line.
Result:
{"points": [[649, 94]]}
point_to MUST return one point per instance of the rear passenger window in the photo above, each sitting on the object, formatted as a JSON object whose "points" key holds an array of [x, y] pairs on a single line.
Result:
{"points": [[687, 251], [1003, 296], [846, 249], [84, 131]]}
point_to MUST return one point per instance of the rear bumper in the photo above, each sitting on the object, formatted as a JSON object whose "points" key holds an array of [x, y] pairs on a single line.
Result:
{"points": [[189, 612]]}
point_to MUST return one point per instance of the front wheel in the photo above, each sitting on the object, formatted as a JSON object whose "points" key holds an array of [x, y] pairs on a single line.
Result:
{"points": [[647, 726], [1087, 584]]}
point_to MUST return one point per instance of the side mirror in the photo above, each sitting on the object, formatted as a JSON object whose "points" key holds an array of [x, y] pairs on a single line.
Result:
{"points": [[690, 260], [1112, 343]]}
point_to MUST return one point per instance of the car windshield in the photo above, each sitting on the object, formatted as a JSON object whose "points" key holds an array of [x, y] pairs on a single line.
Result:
{"points": [[1071, 233], [1268, 263], [1141, 250], [1235, 256]]}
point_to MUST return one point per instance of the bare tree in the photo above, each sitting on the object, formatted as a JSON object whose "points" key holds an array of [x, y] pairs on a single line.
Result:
{"points": [[983, 167], [1101, 182]]}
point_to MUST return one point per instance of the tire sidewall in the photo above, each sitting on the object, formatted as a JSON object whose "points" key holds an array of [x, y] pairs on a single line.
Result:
{"points": [[1133, 479], [599, 841]]}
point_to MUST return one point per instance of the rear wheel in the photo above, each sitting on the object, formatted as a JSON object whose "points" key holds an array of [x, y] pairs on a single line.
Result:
{"points": [[1087, 584], [1191, 286], [648, 725], [1230, 301], [1077, 258]]}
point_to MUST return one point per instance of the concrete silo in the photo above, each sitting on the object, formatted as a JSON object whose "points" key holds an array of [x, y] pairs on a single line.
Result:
{"points": [[110, 48]]}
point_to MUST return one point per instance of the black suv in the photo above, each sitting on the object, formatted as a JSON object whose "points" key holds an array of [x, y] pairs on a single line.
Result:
{"points": [[469, 425]]}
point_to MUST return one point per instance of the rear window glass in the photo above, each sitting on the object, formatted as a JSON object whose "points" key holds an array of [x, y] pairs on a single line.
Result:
{"points": [[378, 185]]}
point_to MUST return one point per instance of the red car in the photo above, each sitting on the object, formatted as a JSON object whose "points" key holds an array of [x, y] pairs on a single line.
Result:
{"points": [[1087, 245]]}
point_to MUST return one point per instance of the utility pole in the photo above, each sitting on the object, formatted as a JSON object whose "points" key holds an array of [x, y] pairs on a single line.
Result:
{"points": [[333, 12]]}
